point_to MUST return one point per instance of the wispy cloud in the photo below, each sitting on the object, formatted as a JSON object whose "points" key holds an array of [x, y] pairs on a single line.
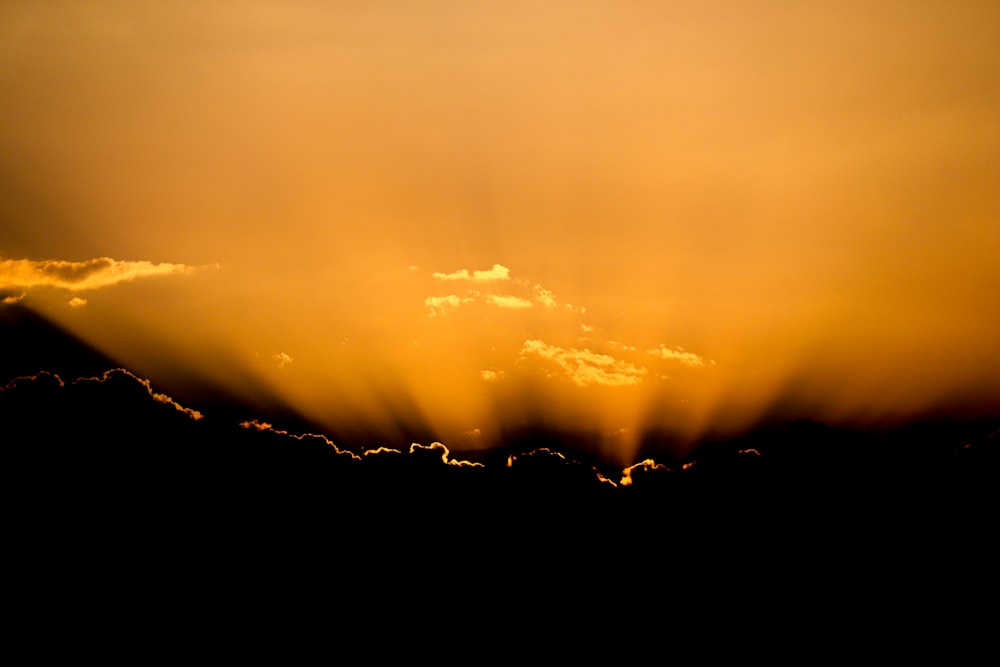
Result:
{"points": [[79, 276], [678, 354], [508, 301], [586, 368], [491, 375], [518, 293], [13, 298], [282, 359], [441, 304], [545, 297], [497, 272], [77, 302]]}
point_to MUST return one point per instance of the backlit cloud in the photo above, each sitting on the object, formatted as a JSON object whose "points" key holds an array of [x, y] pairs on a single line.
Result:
{"points": [[79, 276], [282, 359], [644, 466], [586, 368], [77, 302], [264, 426], [12, 299], [445, 454], [156, 396]]}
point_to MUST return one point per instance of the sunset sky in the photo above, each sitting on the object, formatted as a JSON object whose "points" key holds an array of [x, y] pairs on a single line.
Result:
{"points": [[465, 217]]}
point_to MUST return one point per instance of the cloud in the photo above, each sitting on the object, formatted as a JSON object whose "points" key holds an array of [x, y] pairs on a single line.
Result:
{"points": [[77, 302], [520, 294], [156, 396], [497, 272], [79, 276], [586, 368], [13, 298], [282, 359], [264, 426], [645, 465], [445, 454], [491, 375], [441, 304], [33, 378], [689, 359], [545, 297], [508, 301]]}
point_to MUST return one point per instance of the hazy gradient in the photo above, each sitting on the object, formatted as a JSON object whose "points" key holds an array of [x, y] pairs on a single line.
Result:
{"points": [[702, 212]]}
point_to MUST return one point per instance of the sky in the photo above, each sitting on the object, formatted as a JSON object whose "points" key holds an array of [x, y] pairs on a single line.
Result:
{"points": [[464, 219]]}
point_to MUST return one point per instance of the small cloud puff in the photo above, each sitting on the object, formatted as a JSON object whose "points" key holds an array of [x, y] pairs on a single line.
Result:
{"points": [[77, 302], [491, 375], [282, 359]]}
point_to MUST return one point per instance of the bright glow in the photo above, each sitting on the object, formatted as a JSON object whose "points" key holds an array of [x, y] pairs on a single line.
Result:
{"points": [[435, 219]]}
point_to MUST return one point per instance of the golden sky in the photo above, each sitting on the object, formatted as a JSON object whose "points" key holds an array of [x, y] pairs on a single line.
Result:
{"points": [[606, 216]]}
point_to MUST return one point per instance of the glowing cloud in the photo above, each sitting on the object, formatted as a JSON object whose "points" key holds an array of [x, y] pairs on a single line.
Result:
{"points": [[440, 304], [645, 466], [498, 272], [77, 302], [12, 299], [282, 359], [689, 359], [508, 301], [545, 297], [586, 368], [78, 276], [521, 294]]}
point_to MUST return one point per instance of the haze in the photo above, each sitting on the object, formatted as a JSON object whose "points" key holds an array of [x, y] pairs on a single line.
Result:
{"points": [[460, 218]]}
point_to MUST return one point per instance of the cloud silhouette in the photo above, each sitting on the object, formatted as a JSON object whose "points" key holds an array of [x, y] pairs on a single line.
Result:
{"points": [[156, 396]]}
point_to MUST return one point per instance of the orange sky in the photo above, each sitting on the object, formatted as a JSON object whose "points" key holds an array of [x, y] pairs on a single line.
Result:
{"points": [[700, 211]]}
